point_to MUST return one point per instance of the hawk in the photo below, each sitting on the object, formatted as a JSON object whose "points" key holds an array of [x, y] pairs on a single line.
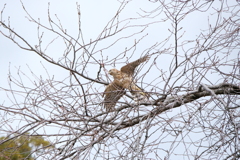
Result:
{"points": [[123, 79]]}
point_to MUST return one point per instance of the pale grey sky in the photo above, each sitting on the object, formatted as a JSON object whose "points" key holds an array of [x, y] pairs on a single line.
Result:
{"points": [[95, 14]]}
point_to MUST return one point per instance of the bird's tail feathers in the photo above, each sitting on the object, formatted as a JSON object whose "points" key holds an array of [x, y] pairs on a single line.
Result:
{"points": [[138, 95]]}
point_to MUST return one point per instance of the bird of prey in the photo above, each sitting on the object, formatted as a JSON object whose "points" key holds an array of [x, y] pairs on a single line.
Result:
{"points": [[123, 79]]}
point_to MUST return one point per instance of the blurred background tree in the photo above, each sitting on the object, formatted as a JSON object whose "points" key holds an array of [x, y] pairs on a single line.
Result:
{"points": [[22, 147]]}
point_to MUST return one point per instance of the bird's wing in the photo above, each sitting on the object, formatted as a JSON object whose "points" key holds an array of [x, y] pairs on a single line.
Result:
{"points": [[130, 67], [111, 95]]}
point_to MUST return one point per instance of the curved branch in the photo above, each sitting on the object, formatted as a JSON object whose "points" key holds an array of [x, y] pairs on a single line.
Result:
{"points": [[174, 102]]}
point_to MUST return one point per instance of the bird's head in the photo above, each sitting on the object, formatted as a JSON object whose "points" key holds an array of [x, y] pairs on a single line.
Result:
{"points": [[113, 72]]}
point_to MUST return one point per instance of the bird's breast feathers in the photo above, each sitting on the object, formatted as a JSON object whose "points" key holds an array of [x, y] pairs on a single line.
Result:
{"points": [[123, 80]]}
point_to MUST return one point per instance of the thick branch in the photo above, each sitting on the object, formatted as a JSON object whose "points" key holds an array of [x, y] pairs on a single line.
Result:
{"points": [[174, 102]]}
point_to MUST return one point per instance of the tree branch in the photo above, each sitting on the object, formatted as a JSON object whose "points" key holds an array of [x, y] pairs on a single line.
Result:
{"points": [[177, 101]]}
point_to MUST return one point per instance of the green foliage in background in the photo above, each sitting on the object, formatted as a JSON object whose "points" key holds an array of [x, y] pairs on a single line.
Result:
{"points": [[21, 147]]}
